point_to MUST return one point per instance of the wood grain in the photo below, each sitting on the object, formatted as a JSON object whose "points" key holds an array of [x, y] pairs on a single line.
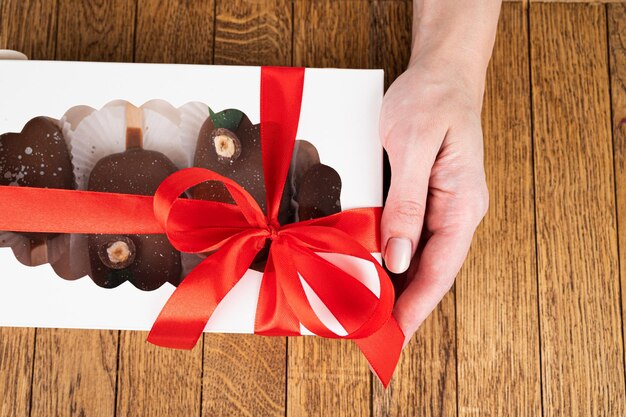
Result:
{"points": [[16, 367], [425, 382], [155, 381], [74, 373], [253, 32], [175, 31], [29, 26], [391, 35], [244, 375], [498, 348], [17, 20], [580, 323], [99, 30], [331, 33], [617, 54], [327, 377]]}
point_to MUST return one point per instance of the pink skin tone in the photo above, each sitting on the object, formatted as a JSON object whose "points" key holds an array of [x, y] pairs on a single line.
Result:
{"points": [[431, 129]]}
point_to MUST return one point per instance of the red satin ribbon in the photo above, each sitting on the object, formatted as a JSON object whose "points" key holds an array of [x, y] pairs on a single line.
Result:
{"points": [[237, 233]]}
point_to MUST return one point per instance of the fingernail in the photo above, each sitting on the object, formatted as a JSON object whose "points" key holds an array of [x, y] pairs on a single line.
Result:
{"points": [[398, 254]]}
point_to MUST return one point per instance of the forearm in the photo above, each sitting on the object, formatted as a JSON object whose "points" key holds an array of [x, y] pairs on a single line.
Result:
{"points": [[457, 34]]}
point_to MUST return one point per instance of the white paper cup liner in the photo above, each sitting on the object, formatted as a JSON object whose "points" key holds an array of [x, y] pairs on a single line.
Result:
{"points": [[192, 117], [100, 134], [160, 134], [103, 132]]}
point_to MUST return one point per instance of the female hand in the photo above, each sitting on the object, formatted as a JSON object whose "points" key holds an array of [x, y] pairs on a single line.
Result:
{"points": [[431, 130]]}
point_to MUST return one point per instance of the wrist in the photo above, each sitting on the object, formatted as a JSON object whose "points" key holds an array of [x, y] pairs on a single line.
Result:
{"points": [[453, 73], [455, 40]]}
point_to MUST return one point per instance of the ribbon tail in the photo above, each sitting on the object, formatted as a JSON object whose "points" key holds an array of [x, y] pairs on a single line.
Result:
{"points": [[274, 316], [185, 315], [382, 350]]}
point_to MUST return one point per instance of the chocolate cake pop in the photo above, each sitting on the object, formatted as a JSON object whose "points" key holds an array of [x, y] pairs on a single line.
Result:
{"points": [[147, 261], [36, 157]]}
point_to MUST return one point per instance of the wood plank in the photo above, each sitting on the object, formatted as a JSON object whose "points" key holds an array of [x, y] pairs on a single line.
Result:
{"points": [[329, 377], [326, 377], [155, 381], [498, 348], [29, 26], [253, 33], [581, 340], [16, 370], [175, 31], [74, 373], [617, 54], [391, 34], [159, 381], [76, 370], [331, 33], [425, 382], [244, 375], [96, 30], [17, 18]]}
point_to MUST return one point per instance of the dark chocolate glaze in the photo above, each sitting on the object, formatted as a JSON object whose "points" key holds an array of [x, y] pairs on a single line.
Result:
{"points": [[135, 171], [36, 157], [319, 193], [247, 170], [305, 155]]}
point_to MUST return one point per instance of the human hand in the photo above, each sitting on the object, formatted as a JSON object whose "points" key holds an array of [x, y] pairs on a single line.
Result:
{"points": [[431, 130]]}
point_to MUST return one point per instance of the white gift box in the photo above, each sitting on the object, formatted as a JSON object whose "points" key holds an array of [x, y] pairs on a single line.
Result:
{"points": [[340, 115]]}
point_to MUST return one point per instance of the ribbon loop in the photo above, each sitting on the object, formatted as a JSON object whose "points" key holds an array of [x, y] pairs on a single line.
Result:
{"points": [[194, 238]]}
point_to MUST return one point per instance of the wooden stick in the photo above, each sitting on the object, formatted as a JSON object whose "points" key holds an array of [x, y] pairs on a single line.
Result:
{"points": [[134, 127]]}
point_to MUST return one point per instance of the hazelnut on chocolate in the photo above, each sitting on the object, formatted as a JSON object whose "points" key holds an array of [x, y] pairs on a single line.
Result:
{"points": [[119, 253], [227, 145]]}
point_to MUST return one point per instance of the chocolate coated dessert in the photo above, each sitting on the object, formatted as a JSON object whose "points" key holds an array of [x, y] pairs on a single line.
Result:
{"points": [[319, 193], [36, 157], [147, 261]]}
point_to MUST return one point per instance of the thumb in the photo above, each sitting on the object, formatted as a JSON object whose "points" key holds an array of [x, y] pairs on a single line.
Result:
{"points": [[403, 215]]}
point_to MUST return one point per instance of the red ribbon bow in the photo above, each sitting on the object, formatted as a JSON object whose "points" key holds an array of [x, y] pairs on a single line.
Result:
{"points": [[237, 233]]}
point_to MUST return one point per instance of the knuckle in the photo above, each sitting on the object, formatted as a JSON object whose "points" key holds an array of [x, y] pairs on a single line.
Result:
{"points": [[408, 212]]}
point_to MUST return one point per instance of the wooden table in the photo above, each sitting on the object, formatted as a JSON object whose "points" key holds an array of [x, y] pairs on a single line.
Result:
{"points": [[535, 323]]}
